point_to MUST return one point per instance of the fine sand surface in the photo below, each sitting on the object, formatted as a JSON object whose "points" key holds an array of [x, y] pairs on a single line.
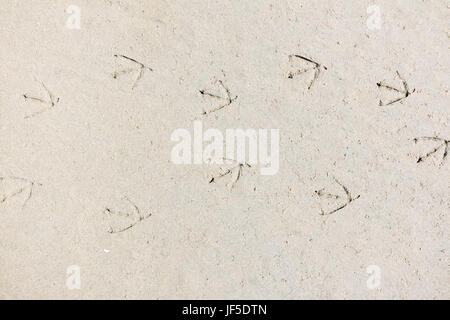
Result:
{"points": [[359, 208]]}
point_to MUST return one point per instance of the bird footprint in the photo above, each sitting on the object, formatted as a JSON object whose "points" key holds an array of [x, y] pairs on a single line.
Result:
{"points": [[334, 202], [131, 217]]}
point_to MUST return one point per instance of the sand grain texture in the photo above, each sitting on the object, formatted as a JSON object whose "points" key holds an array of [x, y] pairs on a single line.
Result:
{"points": [[97, 137]]}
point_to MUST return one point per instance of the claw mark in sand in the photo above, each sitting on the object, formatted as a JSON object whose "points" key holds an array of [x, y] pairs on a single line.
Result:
{"points": [[317, 67], [140, 70], [135, 215], [328, 196], [51, 101], [235, 171], [442, 144], [225, 96], [17, 186], [404, 92]]}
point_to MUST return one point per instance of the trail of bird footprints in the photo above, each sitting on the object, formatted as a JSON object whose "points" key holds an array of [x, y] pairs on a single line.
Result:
{"points": [[14, 187], [222, 97], [130, 218]]}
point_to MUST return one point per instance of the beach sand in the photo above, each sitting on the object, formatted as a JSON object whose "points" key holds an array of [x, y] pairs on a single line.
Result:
{"points": [[91, 92]]}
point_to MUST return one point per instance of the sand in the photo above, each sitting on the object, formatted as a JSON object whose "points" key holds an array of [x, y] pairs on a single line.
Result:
{"points": [[92, 207]]}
